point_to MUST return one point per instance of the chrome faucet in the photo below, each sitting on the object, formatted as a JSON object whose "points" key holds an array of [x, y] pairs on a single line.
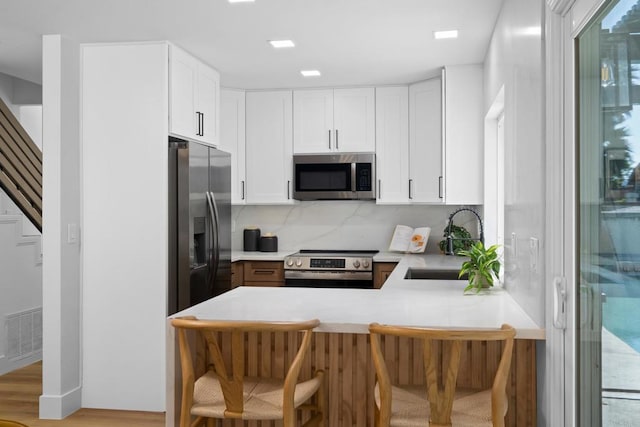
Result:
{"points": [[449, 236]]}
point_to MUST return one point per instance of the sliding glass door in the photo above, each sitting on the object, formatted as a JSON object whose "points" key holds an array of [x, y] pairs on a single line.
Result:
{"points": [[608, 234]]}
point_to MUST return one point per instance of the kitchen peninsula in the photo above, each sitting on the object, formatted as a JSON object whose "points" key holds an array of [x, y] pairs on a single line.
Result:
{"points": [[341, 341]]}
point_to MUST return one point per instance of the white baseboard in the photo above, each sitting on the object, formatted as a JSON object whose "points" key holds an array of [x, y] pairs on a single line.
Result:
{"points": [[9, 365], [60, 406]]}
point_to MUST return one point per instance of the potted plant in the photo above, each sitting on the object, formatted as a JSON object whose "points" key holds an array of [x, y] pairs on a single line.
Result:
{"points": [[461, 239], [482, 267]]}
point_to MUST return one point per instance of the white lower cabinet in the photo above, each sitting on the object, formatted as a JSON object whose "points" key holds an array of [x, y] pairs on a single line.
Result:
{"points": [[232, 139], [392, 144], [269, 147]]}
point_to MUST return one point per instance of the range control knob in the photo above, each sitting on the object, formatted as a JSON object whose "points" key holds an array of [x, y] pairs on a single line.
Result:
{"points": [[289, 262], [298, 262], [365, 263], [356, 263]]}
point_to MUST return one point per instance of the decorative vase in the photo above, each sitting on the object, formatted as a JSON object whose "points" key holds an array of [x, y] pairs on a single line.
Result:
{"points": [[479, 281]]}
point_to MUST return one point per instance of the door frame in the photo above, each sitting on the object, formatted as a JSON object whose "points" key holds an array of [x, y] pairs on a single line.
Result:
{"points": [[564, 21]]}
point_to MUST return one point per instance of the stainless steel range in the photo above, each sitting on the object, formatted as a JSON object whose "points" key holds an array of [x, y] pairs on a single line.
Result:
{"points": [[329, 269]]}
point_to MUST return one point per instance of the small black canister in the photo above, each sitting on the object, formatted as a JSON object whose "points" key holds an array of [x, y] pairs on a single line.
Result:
{"points": [[251, 239], [269, 243]]}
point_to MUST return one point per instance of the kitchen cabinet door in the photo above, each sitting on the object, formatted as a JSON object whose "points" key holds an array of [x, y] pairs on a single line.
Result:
{"points": [[339, 120], [194, 96], [354, 120], [183, 77], [464, 133], [381, 272], [208, 101], [392, 144], [313, 121], [232, 139], [269, 147], [425, 142]]}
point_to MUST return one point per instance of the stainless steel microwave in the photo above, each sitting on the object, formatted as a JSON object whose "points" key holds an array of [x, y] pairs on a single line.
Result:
{"points": [[339, 176]]}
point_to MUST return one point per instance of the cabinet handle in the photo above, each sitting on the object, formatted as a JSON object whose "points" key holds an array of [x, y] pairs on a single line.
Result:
{"points": [[379, 189], [200, 123], [329, 139], [337, 147], [269, 272], [288, 190], [440, 187], [410, 187], [242, 184]]}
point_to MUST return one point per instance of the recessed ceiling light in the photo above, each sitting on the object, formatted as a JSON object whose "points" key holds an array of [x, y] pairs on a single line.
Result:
{"points": [[449, 34], [281, 43], [241, 1], [310, 73]]}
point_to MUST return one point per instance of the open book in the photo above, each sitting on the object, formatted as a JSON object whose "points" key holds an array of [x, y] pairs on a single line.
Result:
{"points": [[411, 240]]}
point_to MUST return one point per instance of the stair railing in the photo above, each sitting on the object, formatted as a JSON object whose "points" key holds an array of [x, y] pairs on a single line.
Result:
{"points": [[20, 167]]}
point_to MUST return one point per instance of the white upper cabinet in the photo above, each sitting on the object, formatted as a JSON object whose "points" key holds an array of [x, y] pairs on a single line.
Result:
{"points": [[269, 135], [194, 94], [338, 120], [313, 121], [464, 134], [232, 139], [392, 144], [425, 142]]}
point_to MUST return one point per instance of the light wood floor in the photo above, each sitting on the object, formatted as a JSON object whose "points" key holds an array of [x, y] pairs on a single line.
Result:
{"points": [[21, 389]]}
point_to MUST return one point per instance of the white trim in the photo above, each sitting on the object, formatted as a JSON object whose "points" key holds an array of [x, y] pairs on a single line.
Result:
{"points": [[553, 403], [57, 407], [562, 217], [560, 7], [581, 13]]}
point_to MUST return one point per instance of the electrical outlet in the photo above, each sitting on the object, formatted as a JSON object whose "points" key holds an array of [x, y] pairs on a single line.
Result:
{"points": [[72, 233], [534, 249]]}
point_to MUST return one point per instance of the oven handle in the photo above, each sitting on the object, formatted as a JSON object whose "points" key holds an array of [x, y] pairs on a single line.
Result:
{"points": [[328, 275]]}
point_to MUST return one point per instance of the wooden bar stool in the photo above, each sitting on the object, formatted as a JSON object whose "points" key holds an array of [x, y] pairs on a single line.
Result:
{"points": [[439, 403], [222, 394]]}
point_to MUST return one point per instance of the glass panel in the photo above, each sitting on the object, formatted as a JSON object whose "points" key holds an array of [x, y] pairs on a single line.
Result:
{"points": [[323, 177], [609, 211]]}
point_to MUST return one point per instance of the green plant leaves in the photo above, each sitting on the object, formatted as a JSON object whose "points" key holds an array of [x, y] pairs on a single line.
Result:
{"points": [[484, 263]]}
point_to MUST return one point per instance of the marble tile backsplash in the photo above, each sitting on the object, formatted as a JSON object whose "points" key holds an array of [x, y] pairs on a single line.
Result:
{"points": [[342, 224]]}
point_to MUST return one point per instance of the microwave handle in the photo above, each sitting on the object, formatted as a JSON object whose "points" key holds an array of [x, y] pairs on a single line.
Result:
{"points": [[353, 177]]}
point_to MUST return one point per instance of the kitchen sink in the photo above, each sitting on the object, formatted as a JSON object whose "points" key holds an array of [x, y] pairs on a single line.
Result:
{"points": [[428, 274]]}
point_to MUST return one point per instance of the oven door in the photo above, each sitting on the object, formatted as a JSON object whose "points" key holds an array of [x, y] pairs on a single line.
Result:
{"points": [[329, 279]]}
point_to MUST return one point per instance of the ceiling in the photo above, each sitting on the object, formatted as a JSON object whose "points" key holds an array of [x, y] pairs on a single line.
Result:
{"points": [[352, 42]]}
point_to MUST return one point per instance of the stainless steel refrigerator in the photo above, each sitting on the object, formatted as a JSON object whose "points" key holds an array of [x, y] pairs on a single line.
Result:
{"points": [[199, 223]]}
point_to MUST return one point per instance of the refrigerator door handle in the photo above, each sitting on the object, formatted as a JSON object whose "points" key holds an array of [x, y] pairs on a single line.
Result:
{"points": [[213, 212]]}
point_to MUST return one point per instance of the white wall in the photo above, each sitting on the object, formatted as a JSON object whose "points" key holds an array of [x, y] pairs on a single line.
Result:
{"points": [[343, 224], [61, 376], [515, 60], [125, 215]]}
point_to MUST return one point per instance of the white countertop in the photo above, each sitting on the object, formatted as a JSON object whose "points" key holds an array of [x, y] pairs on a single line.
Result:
{"points": [[259, 256], [427, 303]]}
